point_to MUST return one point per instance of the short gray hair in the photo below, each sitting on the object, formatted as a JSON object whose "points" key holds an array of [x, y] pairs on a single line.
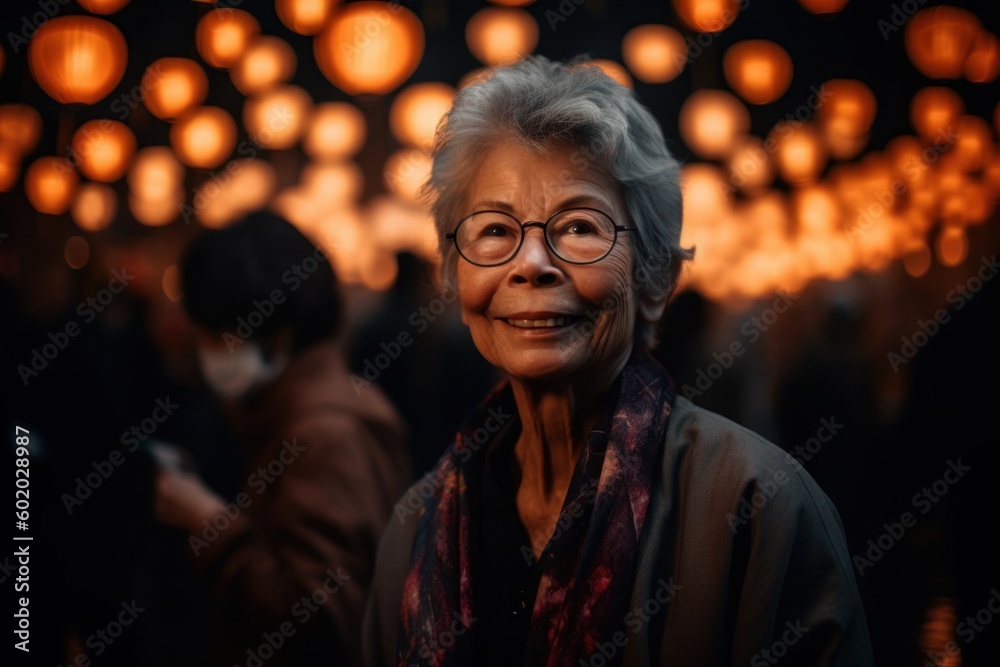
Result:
{"points": [[543, 105]]}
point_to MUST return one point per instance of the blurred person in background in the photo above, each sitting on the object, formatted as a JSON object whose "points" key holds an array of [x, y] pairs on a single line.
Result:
{"points": [[289, 560]]}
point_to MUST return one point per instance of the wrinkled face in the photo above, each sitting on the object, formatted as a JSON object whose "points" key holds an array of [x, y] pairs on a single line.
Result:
{"points": [[538, 317]]}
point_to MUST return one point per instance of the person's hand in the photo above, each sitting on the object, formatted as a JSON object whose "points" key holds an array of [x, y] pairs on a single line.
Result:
{"points": [[182, 500]]}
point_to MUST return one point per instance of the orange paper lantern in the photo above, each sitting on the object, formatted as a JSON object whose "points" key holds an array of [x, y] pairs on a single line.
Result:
{"points": [[223, 35], [50, 183], [278, 119], [500, 36], [306, 17], [758, 70], [20, 127], [102, 6], [103, 149], [654, 53], [712, 122], [267, 62], [77, 59], [417, 110], [203, 137], [172, 86], [707, 15], [337, 131], [939, 39]]}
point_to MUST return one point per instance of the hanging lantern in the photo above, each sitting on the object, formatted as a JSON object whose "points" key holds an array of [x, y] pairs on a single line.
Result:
{"points": [[49, 184], [417, 110], [823, 6], [973, 143], [933, 110], [20, 127], [500, 36], [707, 15], [203, 137], [337, 131], [952, 245], [983, 63], [102, 6], [306, 17], [846, 117], [278, 119], [712, 122], [267, 62], [156, 174], [102, 149], [223, 35], [938, 40], [654, 53], [750, 167], [406, 171], [758, 70], [801, 155], [172, 86], [77, 59], [370, 47], [94, 206]]}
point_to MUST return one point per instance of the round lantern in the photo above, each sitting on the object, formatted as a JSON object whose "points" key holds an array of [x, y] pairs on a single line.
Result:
{"points": [[406, 171], [417, 110], [94, 207], [337, 131], [758, 70], [223, 35], [654, 53], [370, 47], [712, 122], [801, 155], [267, 62], [846, 117], [823, 6], [983, 63], [933, 110], [278, 119], [49, 184], [306, 17], [498, 36], [172, 86], [103, 149], [102, 6], [156, 174], [20, 127], [938, 40], [203, 137], [707, 15], [77, 59]]}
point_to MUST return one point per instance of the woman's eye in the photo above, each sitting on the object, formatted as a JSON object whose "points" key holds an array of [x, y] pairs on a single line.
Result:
{"points": [[580, 227], [494, 230]]}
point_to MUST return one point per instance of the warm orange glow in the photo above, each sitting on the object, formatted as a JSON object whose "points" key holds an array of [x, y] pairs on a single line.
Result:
{"points": [[712, 122], [335, 185], [20, 127], [337, 131], [933, 110], [973, 142], [476, 76], [279, 118], [172, 86], [203, 137], [816, 211], [991, 174], [10, 165], [77, 252], [939, 39], [823, 6], [50, 183], [306, 17], [370, 47], [103, 149], [613, 70], [654, 53], [750, 167], [267, 62], [77, 59], [171, 283], [416, 111], [846, 116], [247, 186], [500, 36], [512, 3], [406, 171], [707, 15], [983, 63], [801, 155], [102, 6], [94, 207], [758, 70], [156, 174], [952, 245], [917, 261], [223, 35], [157, 212]]}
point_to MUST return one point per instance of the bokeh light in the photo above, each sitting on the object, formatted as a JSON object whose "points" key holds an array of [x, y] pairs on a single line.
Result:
{"points": [[654, 53], [823, 6], [278, 119], [10, 165], [933, 110], [801, 154], [707, 15], [94, 206], [500, 36], [266, 62], [222, 35], [712, 122], [406, 171], [76, 252], [171, 86], [983, 62], [306, 17], [337, 130], [938, 40], [50, 183], [102, 6], [77, 59], [846, 117], [417, 110], [20, 127], [758, 70], [203, 137], [102, 149]]}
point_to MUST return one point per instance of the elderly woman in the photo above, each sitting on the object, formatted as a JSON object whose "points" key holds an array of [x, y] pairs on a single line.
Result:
{"points": [[586, 514]]}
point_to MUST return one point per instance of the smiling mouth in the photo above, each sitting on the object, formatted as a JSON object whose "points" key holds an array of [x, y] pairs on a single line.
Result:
{"points": [[552, 322]]}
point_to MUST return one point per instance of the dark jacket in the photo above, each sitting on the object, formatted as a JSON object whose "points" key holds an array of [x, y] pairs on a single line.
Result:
{"points": [[324, 465], [742, 561]]}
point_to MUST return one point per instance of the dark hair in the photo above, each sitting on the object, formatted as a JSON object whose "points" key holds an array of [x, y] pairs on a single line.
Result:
{"points": [[229, 274]]}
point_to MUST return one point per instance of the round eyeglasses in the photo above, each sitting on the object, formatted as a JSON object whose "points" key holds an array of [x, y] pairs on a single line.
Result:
{"points": [[574, 235]]}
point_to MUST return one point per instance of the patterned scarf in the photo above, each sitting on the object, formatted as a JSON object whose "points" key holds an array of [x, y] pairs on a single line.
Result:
{"points": [[585, 586]]}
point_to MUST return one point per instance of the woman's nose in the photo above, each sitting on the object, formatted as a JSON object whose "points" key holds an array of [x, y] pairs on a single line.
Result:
{"points": [[535, 262]]}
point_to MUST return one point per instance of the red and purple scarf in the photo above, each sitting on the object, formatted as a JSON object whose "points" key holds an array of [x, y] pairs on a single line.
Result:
{"points": [[584, 591]]}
